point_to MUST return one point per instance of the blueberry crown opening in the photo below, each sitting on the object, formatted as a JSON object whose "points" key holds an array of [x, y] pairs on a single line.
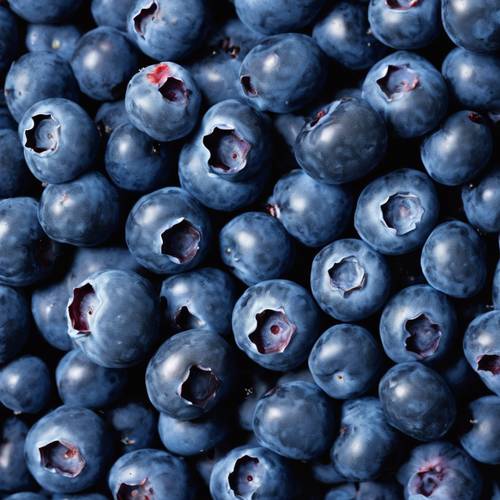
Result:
{"points": [[181, 242], [229, 48], [347, 276], [402, 4], [424, 336], [143, 18], [317, 118], [489, 363], [63, 458], [273, 332], [248, 88], [398, 80], [43, 136], [475, 117], [402, 213], [246, 477], [82, 307], [200, 386], [140, 491], [184, 319], [174, 90], [427, 480]]}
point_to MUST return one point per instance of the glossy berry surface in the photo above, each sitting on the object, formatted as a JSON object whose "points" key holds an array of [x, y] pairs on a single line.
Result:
{"points": [[61, 40]]}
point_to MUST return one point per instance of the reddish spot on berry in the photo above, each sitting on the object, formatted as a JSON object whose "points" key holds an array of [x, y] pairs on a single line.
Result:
{"points": [[159, 75]]}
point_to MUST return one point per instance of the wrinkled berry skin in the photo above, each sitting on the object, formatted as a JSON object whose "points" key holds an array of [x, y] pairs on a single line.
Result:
{"points": [[210, 355], [367, 490], [361, 280], [414, 101], [460, 149], [109, 116], [272, 474], [453, 260], [111, 13], [61, 40], [14, 174], [440, 470], [482, 348], [417, 401], [295, 420], [36, 76], [74, 148], [163, 118], [203, 298], [345, 361], [418, 324], [166, 475], [41, 11], [313, 212], [255, 338], [27, 256], [91, 438], [9, 38], [271, 79], [155, 214], [16, 322], [357, 142]]}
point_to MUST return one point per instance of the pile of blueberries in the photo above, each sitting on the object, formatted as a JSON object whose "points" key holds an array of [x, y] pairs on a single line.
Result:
{"points": [[248, 249]]}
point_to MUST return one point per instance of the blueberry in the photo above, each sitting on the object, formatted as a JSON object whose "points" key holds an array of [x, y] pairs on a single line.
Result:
{"points": [[26, 496], [59, 140], [61, 40], [9, 38], [109, 116], [6, 120], [252, 389], [13, 175], [83, 496], [15, 325], [345, 361], [408, 92], [495, 292], [349, 280], [368, 490], [168, 232], [325, 472], [460, 376], [111, 12], [459, 149], [43, 11], [275, 323], [283, 73], [295, 420], [453, 260], [417, 401]]}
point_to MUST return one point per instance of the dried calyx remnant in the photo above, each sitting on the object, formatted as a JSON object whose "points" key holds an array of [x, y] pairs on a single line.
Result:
{"points": [[398, 80], [136, 491], [245, 478], [180, 242], [273, 331], [200, 386], [402, 212], [489, 363], [43, 136], [83, 307], [171, 88], [424, 336], [63, 458], [144, 16], [347, 275]]}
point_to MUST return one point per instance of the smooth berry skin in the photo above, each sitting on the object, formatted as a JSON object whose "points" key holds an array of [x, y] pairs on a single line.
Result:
{"points": [[163, 118], [28, 495], [482, 348], [135, 162], [61, 40], [365, 491], [453, 260], [153, 217], [83, 383], [254, 388], [417, 401], [472, 25], [283, 73], [120, 326], [418, 324], [111, 13], [16, 322], [405, 25], [83, 496], [61, 217], [472, 79], [344, 35], [414, 101], [255, 339], [203, 298], [41, 11], [165, 474], [6, 120], [36, 76], [440, 470], [187, 357], [495, 292], [345, 361], [59, 140], [9, 38], [456, 152], [14, 176], [295, 420], [361, 284], [256, 247], [27, 256]]}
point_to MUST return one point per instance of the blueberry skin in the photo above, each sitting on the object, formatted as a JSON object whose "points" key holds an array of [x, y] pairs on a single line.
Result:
{"points": [[28, 495], [453, 260], [109, 116], [6, 120], [135, 162], [344, 142], [459, 149], [411, 108], [27, 256], [166, 30], [59, 139], [297, 201], [149, 231], [143, 470], [16, 323], [9, 38], [440, 470], [472, 25], [362, 280], [368, 490], [283, 73], [211, 382], [295, 420], [417, 401], [472, 79], [41, 11], [83, 496], [299, 313], [203, 298], [418, 324], [13, 175], [272, 474], [345, 361], [163, 101], [62, 218], [61, 40], [113, 316], [258, 383], [56, 431], [405, 25], [256, 247], [36, 76], [83, 383], [344, 35], [111, 13], [495, 292], [482, 348]]}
